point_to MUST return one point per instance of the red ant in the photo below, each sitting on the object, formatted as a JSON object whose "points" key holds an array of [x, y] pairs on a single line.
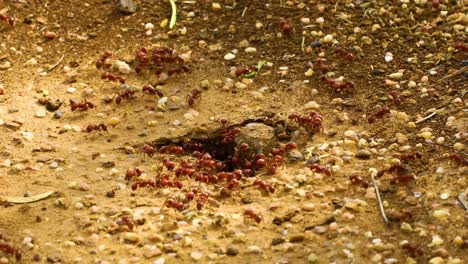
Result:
{"points": [[323, 66], [125, 220], [10, 20], [267, 187], [171, 203], [395, 97], [196, 94], [358, 180], [93, 127], [380, 114], [126, 94], [9, 250], [312, 122], [170, 165], [400, 174], [185, 168], [344, 53], [461, 46], [144, 183], [99, 63], [251, 214], [83, 105], [411, 156], [285, 26], [148, 150], [171, 149], [413, 249], [112, 77], [458, 158], [151, 90], [337, 84], [202, 198], [131, 173], [319, 169], [404, 215]]}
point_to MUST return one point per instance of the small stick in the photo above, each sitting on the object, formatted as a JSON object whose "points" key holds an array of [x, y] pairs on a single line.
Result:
{"points": [[55, 65], [382, 211], [173, 15], [426, 118], [461, 197], [453, 74], [243, 12], [302, 44]]}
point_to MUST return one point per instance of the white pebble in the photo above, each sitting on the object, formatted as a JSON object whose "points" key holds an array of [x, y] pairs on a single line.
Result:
{"points": [[396, 75], [149, 26], [328, 38], [41, 113], [250, 50], [229, 56], [312, 105], [388, 57], [160, 260]]}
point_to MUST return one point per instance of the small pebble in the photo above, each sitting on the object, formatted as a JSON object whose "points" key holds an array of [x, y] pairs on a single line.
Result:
{"points": [[160, 260], [215, 6], [229, 56], [41, 113], [196, 255], [363, 154], [250, 50], [232, 251], [53, 165], [113, 121], [458, 146], [328, 38]]}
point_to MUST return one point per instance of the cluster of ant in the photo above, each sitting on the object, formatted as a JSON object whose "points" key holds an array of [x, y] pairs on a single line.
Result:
{"points": [[202, 167], [8, 19], [8, 249], [399, 172], [324, 67], [337, 84], [155, 60], [311, 122]]}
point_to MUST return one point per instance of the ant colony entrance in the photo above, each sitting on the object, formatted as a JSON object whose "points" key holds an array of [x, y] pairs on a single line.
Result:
{"points": [[210, 167]]}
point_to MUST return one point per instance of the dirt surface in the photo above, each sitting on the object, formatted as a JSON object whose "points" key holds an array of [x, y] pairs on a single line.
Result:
{"points": [[369, 70]]}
